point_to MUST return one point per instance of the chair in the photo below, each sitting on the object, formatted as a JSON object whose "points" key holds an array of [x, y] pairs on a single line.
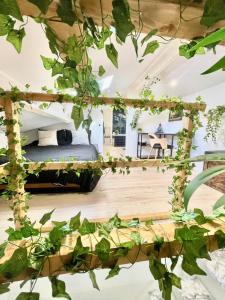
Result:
{"points": [[156, 143]]}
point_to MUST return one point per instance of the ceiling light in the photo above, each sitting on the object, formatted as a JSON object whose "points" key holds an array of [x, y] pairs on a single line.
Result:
{"points": [[173, 83]]}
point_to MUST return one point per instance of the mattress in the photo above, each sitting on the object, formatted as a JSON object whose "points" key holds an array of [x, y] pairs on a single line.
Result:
{"points": [[87, 180], [58, 153]]}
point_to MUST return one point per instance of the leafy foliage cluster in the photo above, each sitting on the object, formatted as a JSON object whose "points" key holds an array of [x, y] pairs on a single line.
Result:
{"points": [[214, 122], [106, 252]]}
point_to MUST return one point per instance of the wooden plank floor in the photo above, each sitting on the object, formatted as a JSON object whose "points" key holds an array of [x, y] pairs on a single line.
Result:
{"points": [[140, 193]]}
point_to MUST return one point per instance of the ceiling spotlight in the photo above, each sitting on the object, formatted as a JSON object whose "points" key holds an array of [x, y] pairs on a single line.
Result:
{"points": [[173, 83]]}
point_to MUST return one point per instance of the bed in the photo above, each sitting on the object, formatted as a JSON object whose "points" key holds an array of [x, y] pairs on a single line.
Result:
{"points": [[62, 181]]}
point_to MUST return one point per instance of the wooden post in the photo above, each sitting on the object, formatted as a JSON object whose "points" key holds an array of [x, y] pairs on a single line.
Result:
{"points": [[182, 174], [16, 181]]}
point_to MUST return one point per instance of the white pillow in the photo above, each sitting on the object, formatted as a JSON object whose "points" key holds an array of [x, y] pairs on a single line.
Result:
{"points": [[80, 137], [47, 138]]}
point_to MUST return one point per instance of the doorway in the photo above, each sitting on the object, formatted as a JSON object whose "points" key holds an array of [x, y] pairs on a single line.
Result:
{"points": [[114, 132]]}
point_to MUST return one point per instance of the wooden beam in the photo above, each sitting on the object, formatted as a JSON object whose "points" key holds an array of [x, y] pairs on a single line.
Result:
{"points": [[2, 103], [161, 14], [3, 171], [178, 201], [54, 264], [157, 216], [15, 157], [40, 97], [82, 165]]}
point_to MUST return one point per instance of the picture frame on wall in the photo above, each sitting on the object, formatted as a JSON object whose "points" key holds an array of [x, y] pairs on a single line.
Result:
{"points": [[175, 116]]}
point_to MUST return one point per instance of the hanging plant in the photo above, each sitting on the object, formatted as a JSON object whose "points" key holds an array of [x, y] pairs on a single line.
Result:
{"points": [[214, 122]]}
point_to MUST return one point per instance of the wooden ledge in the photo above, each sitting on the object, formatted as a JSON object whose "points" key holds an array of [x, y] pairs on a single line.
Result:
{"points": [[41, 97], [154, 216], [83, 165], [160, 14], [54, 265]]}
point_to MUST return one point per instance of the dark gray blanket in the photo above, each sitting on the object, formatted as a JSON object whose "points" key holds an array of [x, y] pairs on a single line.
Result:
{"points": [[58, 153]]}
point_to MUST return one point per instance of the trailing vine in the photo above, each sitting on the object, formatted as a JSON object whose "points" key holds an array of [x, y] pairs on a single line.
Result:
{"points": [[98, 245], [214, 122]]}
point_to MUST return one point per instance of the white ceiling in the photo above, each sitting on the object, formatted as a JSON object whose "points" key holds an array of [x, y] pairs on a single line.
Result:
{"points": [[178, 76]]}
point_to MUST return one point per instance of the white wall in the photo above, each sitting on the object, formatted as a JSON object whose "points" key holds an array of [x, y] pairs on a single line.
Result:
{"points": [[96, 126], [213, 97], [148, 123]]}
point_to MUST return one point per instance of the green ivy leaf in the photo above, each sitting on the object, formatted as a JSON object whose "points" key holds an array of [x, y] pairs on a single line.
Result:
{"points": [[148, 36], [158, 242], [10, 7], [217, 66], [174, 261], [28, 296], [28, 230], [149, 223], [185, 50], [57, 68], [93, 279], [58, 288], [104, 35], [135, 43], [87, 227], [42, 4], [46, 217], [66, 12], [59, 223], [102, 249], [13, 234], [57, 234], [113, 272], [189, 265], [75, 222], [15, 37], [128, 245], [220, 237], [121, 15], [2, 249], [135, 236], [175, 280], [47, 62], [214, 11], [200, 218], [101, 71], [52, 40], [74, 50], [17, 263], [157, 269], [4, 288], [77, 115], [151, 47], [79, 251], [6, 24], [165, 286], [190, 233], [112, 54]]}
